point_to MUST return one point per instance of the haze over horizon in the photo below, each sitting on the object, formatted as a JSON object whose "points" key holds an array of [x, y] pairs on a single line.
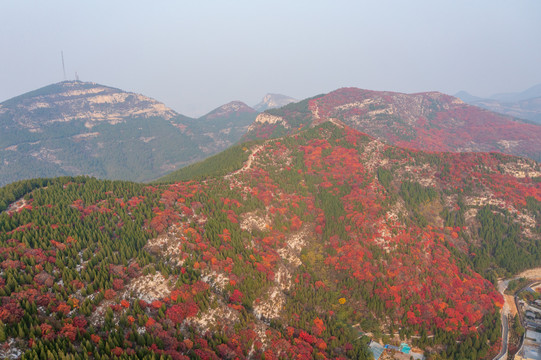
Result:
{"points": [[197, 56]]}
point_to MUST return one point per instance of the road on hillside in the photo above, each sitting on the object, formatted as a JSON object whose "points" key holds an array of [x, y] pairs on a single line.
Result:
{"points": [[532, 274], [502, 286], [505, 338]]}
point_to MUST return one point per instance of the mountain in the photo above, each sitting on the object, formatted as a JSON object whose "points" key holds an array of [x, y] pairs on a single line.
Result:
{"points": [[313, 245], [223, 126], [467, 97], [428, 121], [525, 109], [524, 105], [74, 128], [530, 93], [272, 101]]}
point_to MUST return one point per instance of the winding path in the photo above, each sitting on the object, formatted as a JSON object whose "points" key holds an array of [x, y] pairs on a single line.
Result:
{"points": [[502, 286], [248, 163]]}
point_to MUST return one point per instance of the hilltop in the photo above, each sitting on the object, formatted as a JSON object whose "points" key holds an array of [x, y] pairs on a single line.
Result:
{"points": [[314, 244], [427, 121], [76, 128]]}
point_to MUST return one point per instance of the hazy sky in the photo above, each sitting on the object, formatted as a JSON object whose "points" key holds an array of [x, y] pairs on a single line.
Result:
{"points": [[197, 55]]}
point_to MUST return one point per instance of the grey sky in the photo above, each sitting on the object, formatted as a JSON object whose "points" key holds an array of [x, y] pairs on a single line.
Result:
{"points": [[197, 55]]}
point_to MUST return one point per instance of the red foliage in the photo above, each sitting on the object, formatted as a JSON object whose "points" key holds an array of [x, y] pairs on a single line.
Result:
{"points": [[296, 223], [47, 331], [63, 308], [236, 296], [80, 322], [177, 313], [164, 218], [10, 312], [117, 351], [118, 284], [95, 338], [318, 327], [150, 322], [69, 331], [109, 294]]}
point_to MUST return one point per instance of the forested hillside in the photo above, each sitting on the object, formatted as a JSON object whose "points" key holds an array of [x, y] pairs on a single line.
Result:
{"points": [[428, 121], [79, 128], [316, 243]]}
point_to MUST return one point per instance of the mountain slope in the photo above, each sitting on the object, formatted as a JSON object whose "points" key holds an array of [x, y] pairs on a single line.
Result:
{"points": [[320, 237], [74, 128], [529, 109], [222, 127], [426, 121]]}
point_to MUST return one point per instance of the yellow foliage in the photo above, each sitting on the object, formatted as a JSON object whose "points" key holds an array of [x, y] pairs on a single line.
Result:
{"points": [[73, 302]]}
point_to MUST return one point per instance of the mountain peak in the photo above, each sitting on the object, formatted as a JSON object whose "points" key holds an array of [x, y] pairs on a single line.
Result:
{"points": [[229, 109], [77, 100], [272, 101]]}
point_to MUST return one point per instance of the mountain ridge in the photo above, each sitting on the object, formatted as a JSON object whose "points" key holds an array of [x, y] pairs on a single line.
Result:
{"points": [[530, 93], [428, 121]]}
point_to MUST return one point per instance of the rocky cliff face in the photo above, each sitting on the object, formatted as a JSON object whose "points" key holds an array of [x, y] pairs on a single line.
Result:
{"points": [[75, 100], [272, 101]]}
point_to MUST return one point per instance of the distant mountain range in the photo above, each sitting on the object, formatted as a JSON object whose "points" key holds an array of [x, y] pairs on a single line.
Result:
{"points": [[429, 121], [74, 127], [525, 105]]}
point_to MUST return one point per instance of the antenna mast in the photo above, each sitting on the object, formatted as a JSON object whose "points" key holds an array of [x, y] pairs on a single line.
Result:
{"points": [[63, 66]]}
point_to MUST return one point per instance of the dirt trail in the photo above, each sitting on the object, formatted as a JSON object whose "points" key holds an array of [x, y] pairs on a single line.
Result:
{"points": [[532, 274], [248, 163], [319, 120]]}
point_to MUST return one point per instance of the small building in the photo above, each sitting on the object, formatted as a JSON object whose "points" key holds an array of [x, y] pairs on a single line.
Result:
{"points": [[529, 314], [531, 348], [376, 348], [405, 348]]}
